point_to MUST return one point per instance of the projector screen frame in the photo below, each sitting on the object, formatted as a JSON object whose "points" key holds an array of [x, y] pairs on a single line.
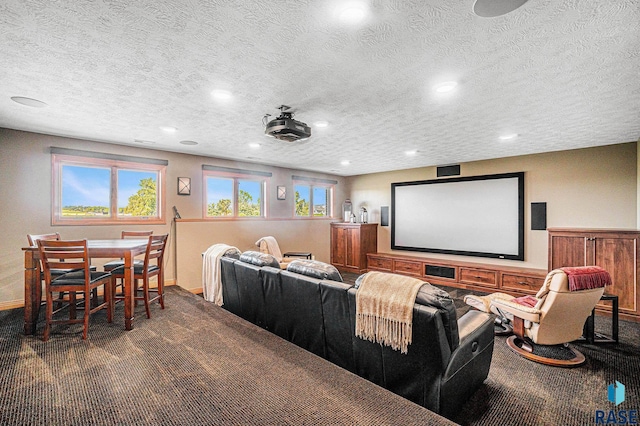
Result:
{"points": [[521, 209]]}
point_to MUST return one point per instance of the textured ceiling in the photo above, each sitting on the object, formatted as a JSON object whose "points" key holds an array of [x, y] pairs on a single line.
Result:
{"points": [[561, 74]]}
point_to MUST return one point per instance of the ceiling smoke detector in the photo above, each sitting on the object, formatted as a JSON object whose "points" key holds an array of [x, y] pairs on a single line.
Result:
{"points": [[285, 128]]}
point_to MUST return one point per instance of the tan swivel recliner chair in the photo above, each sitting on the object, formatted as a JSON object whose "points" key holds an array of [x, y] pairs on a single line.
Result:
{"points": [[543, 325], [270, 246]]}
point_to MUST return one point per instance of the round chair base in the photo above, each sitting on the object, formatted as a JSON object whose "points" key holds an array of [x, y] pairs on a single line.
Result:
{"points": [[556, 355]]}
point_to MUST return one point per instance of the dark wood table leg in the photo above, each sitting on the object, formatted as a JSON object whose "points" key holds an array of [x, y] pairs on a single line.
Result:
{"points": [[32, 291], [129, 291]]}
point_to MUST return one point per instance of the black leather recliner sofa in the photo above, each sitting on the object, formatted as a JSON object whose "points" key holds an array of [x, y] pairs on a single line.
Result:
{"points": [[448, 359]]}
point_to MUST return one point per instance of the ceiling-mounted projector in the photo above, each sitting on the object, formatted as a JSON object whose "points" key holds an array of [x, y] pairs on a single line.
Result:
{"points": [[285, 127]]}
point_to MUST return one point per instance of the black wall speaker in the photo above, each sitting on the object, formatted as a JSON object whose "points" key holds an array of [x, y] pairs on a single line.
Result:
{"points": [[384, 216], [538, 216], [453, 170]]}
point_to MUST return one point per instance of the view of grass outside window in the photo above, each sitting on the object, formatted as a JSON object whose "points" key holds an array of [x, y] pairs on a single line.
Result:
{"points": [[85, 192], [312, 200], [320, 197], [234, 197]]}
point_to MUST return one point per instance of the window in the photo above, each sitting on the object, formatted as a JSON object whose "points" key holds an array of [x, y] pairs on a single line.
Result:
{"points": [[94, 188], [232, 193], [313, 199]]}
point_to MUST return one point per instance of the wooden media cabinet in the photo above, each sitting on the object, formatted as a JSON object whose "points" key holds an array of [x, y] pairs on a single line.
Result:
{"points": [[473, 276]]}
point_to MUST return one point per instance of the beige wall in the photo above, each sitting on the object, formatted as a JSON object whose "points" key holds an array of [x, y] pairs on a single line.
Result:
{"points": [[25, 191], [194, 237], [595, 187]]}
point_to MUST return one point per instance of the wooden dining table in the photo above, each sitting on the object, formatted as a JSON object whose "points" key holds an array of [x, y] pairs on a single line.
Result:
{"points": [[126, 249]]}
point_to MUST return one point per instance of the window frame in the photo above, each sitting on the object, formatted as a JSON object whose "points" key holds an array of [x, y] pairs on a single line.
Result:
{"points": [[58, 161], [236, 177], [312, 184]]}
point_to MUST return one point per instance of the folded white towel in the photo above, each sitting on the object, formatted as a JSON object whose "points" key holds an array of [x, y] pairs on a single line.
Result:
{"points": [[211, 275]]}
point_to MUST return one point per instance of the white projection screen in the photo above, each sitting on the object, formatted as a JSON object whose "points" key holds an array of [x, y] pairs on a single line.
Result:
{"points": [[472, 216]]}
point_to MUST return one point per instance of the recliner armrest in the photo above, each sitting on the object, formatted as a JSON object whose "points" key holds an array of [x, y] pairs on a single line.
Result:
{"points": [[476, 333], [469, 363], [472, 323]]}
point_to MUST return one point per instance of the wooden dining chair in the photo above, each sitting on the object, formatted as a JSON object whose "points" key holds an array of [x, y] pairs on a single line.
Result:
{"points": [[54, 236], [59, 254], [109, 266], [152, 266]]}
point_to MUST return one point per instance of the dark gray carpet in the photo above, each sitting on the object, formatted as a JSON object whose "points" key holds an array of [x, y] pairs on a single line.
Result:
{"points": [[196, 364], [190, 364], [521, 392], [534, 394]]}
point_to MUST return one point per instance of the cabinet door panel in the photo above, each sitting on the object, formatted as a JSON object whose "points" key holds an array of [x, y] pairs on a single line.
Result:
{"points": [[567, 251], [338, 246], [352, 255], [618, 257]]}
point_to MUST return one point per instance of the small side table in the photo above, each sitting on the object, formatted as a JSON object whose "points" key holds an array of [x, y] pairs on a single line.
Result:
{"points": [[589, 333], [304, 254]]}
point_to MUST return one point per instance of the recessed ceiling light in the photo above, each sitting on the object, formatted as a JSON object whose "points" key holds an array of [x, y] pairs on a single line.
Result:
{"points": [[189, 142], [254, 145], [321, 124], [493, 8], [28, 102], [168, 129], [444, 87], [352, 12], [221, 95], [411, 152], [508, 137], [345, 162]]}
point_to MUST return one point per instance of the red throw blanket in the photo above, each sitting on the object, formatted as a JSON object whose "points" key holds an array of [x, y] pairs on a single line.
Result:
{"points": [[528, 301], [586, 277]]}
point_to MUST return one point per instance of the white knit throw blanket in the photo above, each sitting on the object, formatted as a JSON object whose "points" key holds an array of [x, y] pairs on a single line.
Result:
{"points": [[272, 247], [384, 309], [211, 275]]}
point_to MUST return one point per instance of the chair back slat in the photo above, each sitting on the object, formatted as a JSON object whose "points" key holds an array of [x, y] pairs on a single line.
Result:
{"points": [[33, 238], [135, 234], [58, 254], [60, 263], [155, 250]]}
